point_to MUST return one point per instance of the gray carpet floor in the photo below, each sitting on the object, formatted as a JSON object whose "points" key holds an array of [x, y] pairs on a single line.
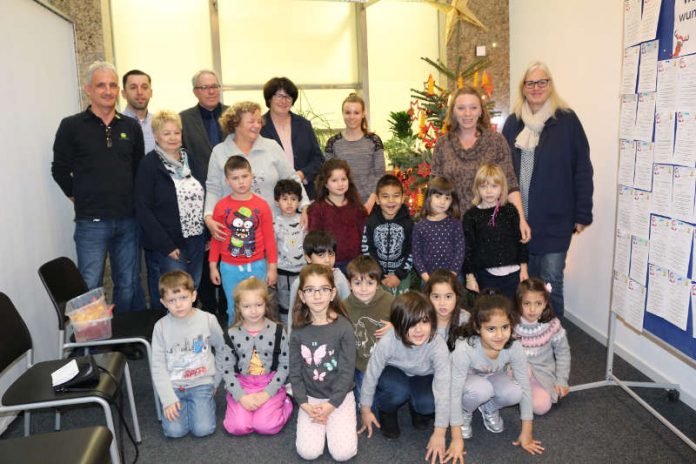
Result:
{"points": [[595, 426]]}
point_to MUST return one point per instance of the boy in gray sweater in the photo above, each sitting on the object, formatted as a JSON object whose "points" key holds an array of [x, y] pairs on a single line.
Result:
{"points": [[184, 370]]}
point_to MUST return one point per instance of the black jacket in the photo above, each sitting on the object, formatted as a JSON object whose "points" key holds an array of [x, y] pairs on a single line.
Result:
{"points": [[389, 241]]}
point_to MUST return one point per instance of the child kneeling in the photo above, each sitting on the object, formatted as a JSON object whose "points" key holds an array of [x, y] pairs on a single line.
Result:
{"points": [[257, 366], [184, 371]]}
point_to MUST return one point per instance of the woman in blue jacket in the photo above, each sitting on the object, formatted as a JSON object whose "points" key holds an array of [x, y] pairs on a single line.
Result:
{"points": [[294, 133], [551, 157], [169, 196]]}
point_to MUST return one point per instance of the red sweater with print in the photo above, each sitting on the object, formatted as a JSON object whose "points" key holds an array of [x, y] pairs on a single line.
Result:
{"points": [[249, 234]]}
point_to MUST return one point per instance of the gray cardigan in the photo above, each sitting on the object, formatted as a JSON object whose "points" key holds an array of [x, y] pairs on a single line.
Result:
{"points": [[245, 344]]}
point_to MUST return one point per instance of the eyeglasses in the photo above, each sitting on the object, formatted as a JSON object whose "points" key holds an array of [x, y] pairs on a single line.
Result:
{"points": [[109, 140], [205, 88], [541, 83], [282, 96], [308, 291]]}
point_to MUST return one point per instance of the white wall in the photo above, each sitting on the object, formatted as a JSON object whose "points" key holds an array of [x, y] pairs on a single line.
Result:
{"points": [[581, 42], [39, 87]]}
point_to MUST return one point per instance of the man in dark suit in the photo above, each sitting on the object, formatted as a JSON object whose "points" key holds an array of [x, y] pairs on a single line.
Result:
{"points": [[200, 133], [200, 128]]}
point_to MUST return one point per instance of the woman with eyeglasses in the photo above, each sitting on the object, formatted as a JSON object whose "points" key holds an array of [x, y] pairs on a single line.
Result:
{"points": [[551, 157], [169, 199], [293, 132]]}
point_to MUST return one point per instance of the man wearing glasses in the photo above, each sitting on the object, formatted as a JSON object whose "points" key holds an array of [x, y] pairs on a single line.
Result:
{"points": [[201, 131], [95, 157], [200, 128]]}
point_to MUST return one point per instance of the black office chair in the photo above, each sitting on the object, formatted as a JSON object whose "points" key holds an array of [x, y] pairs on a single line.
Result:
{"points": [[89, 445], [63, 282], [33, 389]]}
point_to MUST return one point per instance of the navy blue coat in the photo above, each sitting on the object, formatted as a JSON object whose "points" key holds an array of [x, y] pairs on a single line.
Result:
{"points": [[307, 155], [560, 192], [156, 205]]}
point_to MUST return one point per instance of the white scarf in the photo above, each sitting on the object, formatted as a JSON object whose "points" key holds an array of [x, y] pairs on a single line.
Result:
{"points": [[528, 138]]}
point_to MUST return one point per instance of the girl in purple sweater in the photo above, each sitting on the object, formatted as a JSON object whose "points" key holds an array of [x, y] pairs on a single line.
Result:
{"points": [[438, 238]]}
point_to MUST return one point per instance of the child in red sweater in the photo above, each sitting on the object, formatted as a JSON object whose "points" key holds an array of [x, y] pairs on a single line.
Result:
{"points": [[249, 248], [338, 209]]}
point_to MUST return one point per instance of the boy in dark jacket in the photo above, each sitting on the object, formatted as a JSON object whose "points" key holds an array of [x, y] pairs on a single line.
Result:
{"points": [[387, 236]]}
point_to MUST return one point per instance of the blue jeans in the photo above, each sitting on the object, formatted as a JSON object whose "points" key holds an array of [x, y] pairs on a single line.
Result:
{"points": [[197, 413], [232, 274], [549, 267], [395, 388], [358, 379], [190, 260], [117, 237]]}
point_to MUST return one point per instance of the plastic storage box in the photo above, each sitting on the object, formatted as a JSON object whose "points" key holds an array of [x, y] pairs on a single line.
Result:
{"points": [[90, 316]]}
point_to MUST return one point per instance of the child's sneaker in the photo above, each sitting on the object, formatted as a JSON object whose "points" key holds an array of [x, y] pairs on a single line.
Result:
{"points": [[467, 431], [492, 420]]}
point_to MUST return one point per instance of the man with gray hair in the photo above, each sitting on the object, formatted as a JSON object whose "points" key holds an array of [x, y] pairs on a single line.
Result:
{"points": [[200, 133], [201, 130], [95, 157]]}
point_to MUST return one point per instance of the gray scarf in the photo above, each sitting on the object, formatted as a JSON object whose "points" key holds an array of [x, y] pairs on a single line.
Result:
{"points": [[179, 169], [528, 138]]}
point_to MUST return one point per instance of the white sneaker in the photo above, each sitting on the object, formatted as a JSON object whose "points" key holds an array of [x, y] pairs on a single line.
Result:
{"points": [[467, 431], [492, 420]]}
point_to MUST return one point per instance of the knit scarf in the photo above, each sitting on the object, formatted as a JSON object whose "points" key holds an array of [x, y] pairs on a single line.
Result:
{"points": [[528, 138], [178, 169]]}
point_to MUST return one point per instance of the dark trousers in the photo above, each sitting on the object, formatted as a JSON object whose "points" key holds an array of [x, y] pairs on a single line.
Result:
{"points": [[506, 284], [212, 297], [396, 388]]}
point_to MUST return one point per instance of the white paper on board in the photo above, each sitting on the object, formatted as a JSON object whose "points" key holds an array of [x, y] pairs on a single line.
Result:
{"points": [[664, 138], [647, 77], [649, 19], [632, 13], [634, 305], [693, 309], [686, 83], [645, 117], [683, 188], [627, 162], [639, 259], [677, 310], [625, 208], [640, 213], [685, 140], [618, 293], [642, 178], [659, 245], [629, 104], [684, 28], [622, 252], [657, 291], [629, 72], [679, 242], [666, 101], [662, 189]]}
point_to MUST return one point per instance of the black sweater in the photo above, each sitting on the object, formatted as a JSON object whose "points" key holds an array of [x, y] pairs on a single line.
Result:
{"points": [[489, 245], [388, 241]]}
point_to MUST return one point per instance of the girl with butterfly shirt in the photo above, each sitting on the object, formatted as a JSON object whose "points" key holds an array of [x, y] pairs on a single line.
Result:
{"points": [[322, 363]]}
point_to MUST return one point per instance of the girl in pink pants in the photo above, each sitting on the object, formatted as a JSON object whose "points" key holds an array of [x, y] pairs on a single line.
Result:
{"points": [[256, 365]]}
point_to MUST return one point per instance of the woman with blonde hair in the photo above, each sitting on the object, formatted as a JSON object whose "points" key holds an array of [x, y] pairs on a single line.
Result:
{"points": [[242, 124], [467, 144], [551, 157]]}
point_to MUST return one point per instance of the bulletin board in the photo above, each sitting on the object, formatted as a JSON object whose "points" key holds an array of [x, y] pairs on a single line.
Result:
{"points": [[654, 288]]}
